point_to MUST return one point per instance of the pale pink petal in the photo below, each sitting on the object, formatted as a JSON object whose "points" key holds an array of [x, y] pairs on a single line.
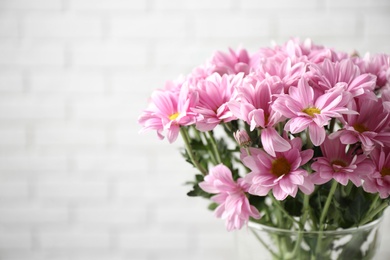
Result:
{"points": [[307, 187], [272, 141], [348, 138], [285, 185], [297, 124], [317, 134], [318, 179], [341, 178], [259, 190], [173, 133], [306, 155], [257, 118], [279, 194]]}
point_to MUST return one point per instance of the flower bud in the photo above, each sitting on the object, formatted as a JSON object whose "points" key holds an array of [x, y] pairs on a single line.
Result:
{"points": [[242, 138]]}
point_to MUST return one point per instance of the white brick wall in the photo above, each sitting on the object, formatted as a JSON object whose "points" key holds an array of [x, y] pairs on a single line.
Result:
{"points": [[76, 179]]}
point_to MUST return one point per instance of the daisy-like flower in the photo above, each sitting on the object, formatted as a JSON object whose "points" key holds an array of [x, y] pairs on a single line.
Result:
{"points": [[307, 110], [233, 206], [281, 173], [214, 94], [254, 107], [169, 109], [232, 62], [370, 127], [345, 74], [339, 164], [308, 51], [378, 65], [379, 179], [287, 73]]}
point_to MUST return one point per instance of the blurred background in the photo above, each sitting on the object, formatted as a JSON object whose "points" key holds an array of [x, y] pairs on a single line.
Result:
{"points": [[77, 181]]}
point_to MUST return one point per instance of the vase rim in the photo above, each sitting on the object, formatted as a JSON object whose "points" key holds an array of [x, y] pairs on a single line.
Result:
{"points": [[262, 227]]}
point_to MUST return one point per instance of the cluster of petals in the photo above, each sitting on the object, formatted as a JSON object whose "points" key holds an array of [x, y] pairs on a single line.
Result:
{"points": [[278, 93], [342, 74], [295, 67], [233, 205], [253, 106], [378, 65], [232, 62], [370, 127], [168, 110], [306, 110], [339, 164], [378, 181], [282, 174], [214, 94]]}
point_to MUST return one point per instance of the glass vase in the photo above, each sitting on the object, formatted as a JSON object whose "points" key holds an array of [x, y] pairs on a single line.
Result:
{"points": [[260, 242]]}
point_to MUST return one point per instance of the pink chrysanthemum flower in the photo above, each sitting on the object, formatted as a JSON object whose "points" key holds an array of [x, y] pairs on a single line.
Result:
{"points": [[232, 62], [339, 164], [282, 174], [214, 94], [385, 95], [345, 74], [287, 72], [379, 180], [200, 73], [254, 107], [306, 110], [308, 51], [169, 109], [233, 206], [378, 65], [370, 126]]}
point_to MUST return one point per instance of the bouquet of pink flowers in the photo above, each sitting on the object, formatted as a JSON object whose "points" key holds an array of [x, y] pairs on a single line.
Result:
{"points": [[293, 136]]}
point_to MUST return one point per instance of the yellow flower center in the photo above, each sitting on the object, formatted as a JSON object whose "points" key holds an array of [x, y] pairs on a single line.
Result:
{"points": [[280, 167], [360, 128], [173, 116], [385, 171], [311, 111]]}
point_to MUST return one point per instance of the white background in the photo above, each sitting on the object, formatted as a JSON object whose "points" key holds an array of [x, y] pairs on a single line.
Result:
{"points": [[77, 181]]}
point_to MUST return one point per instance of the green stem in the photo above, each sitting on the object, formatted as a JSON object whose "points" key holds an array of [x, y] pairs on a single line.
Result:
{"points": [[229, 127], [209, 148], [214, 146], [302, 223], [309, 144], [373, 204], [306, 210], [265, 245], [331, 125], [248, 151], [374, 212], [197, 134], [279, 128], [325, 213], [186, 140], [279, 206], [327, 204]]}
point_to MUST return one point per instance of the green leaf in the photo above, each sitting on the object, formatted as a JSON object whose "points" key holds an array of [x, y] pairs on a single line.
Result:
{"points": [[213, 206], [257, 201], [196, 190], [294, 205], [355, 206], [199, 178]]}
